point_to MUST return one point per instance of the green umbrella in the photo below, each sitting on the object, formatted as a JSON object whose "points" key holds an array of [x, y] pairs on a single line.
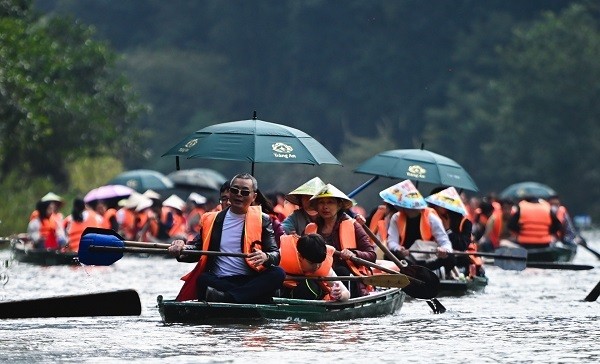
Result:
{"points": [[255, 141], [527, 189], [418, 165], [142, 180]]}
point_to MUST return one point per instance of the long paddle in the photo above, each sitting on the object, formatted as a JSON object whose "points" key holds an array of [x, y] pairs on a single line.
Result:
{"points": [[595, 292], [426, 283], [508, 258], [104, 247], [558, 265], [582, 242], [380, 280], [116, 303]]}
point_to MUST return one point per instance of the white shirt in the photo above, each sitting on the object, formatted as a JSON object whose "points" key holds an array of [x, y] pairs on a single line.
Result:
{"points": [[231, 242]]}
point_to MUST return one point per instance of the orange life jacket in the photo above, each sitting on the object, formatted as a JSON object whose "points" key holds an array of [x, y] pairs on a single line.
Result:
{"points": [[534, 222], [126, 218], [251, 234], [496, 229], [74, 229], [48, 229], [377, 224], [107, 216], [424, 228], [561, 214], [147, 224], [347, 236], [179, 223], [290, 261], [475, 261]]}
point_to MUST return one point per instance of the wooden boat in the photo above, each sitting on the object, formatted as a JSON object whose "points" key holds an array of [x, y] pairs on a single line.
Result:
{"points": [[380, 303], [455, 287], [555, 253], [23, 251]]}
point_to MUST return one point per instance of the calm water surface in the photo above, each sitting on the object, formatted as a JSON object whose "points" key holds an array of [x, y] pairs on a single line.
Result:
{"points": [[534, 316]]}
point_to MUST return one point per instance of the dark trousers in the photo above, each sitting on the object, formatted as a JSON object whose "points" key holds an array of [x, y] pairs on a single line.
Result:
{"points": [[257, 288]]}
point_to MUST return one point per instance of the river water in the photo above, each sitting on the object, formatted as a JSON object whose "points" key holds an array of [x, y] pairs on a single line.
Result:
{"points": [[533, 316]]}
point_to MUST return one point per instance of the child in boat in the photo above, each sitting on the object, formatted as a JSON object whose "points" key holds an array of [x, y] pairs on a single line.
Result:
{"points": [[310, 256]]}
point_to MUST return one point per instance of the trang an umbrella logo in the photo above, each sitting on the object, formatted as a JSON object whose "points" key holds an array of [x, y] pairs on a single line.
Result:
{"points": [[188, 145], [416, 171], [282, 150]]}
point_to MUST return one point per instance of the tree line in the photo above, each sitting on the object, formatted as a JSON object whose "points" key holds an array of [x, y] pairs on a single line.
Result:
{"points": [[504, 88]]}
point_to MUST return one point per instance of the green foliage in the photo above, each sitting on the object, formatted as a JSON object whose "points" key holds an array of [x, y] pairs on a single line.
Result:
{"points": [[90, 172], [61, 98], [18, 196], [527, 109]]}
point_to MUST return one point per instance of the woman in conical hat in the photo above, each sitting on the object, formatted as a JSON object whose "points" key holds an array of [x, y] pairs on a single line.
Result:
{"points": [[414, 221], [297, 220], [344, 234], [451, 210]]}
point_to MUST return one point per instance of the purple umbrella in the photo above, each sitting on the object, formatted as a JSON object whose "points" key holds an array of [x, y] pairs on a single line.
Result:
{"points": [[106, 192]]}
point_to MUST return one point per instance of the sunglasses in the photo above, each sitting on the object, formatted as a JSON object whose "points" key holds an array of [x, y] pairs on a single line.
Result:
{"points": [[237, 191]]}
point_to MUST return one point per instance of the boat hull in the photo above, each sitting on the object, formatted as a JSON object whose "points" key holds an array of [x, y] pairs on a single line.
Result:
{"points": [[199, 312], [451, 287], [562, 254], [22, 252]]}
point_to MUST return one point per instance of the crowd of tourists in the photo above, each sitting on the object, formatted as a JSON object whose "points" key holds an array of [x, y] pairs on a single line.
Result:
{"points": [[313, 230]]}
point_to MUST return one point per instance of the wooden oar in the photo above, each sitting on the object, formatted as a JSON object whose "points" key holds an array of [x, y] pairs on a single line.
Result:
{"points": [[593, 294], [116, 303], [425, 283], [380, 280], [508, 258], [558, 265], [582, 242], [104, 247]]}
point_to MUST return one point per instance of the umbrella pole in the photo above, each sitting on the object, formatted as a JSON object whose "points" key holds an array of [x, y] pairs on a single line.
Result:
{"points": [[252, 172], [358, 189]]}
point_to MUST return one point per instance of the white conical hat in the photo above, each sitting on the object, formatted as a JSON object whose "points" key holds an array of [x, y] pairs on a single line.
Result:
{"points": [[51, 196], [133, 200], [331, 191], [309, 188], [197, 198], [175, 202], [143, 204], [448, 199], [152, 194], [404, 194]]}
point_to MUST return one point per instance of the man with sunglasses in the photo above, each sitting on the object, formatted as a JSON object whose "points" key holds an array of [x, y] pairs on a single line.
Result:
{"points": [[239, 228]]}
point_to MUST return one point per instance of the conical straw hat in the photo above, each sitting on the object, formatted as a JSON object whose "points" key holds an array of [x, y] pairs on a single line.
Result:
{"points": [[51, 196], [309, 188], [133, 200], [175, 202], [152, 194], [404, 194], [448, 199], [196, 198], [143, 204], [331, 191]]}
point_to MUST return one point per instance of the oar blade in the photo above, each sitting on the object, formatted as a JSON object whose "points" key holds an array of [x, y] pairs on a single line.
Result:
{"points": [[92, 257], [428, 285], [116, 303], [511, 258], [387, 280]]}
